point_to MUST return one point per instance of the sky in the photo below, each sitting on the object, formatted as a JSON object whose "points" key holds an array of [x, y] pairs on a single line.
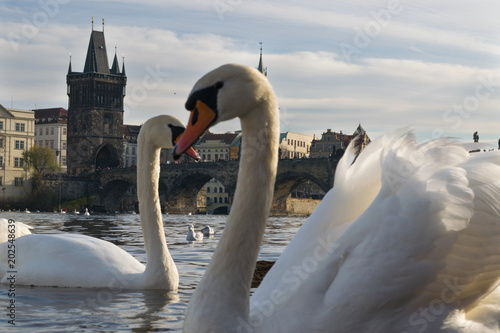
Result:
{"points": [[431, 66]]}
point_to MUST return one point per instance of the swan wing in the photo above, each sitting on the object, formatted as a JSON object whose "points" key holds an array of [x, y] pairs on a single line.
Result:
{"points": [[20, 229], [68, 260]]}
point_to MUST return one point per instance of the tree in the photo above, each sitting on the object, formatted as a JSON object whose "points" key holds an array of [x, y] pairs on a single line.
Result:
{"points": [[40, 161]]}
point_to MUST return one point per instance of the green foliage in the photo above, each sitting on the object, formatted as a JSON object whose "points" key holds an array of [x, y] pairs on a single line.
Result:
{"points": [[40, 160]]}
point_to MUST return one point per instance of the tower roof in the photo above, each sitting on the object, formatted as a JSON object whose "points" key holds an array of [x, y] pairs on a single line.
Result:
{"points": [[97, 58], [261, 67]]}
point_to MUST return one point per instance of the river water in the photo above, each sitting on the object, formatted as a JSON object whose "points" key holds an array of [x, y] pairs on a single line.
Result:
{"points": [[112, 310]]}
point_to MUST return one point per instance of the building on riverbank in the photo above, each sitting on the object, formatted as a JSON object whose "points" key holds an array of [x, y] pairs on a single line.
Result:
{"points": [[17, 134]]}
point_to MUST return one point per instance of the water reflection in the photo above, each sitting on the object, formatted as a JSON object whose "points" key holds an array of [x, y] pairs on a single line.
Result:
{"points": [[111, 310]]}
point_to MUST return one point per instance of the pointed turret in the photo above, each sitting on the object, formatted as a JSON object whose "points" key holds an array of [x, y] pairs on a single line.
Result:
{"points": [[261, 67], [115, 69], [123, 66], [69, 68]]}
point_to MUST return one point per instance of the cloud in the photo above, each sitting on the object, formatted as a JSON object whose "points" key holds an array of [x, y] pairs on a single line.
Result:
{"points": [[421, 69]]}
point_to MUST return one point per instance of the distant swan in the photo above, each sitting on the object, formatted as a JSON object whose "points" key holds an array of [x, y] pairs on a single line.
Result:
{"points": [[407, 240], [207, 231], [193, 235], [86, 212], [72, 260], [17, 229]]}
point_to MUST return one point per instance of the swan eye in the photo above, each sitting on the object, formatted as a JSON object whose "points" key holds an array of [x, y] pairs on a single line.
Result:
{"points": [[218, 85]]}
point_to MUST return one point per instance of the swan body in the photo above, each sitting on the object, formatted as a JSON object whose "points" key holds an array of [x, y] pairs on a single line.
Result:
{"points": [[193, 235], [68, 260], [18, 228], [405, 241], [207, 231], [86, 212]]}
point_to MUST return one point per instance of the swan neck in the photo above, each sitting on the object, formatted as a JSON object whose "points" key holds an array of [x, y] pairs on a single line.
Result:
{"points": [[229, 274], [159, 260]]}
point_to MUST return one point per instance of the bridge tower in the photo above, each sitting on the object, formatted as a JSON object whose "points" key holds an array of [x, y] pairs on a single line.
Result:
{"points": [[95, 110]]}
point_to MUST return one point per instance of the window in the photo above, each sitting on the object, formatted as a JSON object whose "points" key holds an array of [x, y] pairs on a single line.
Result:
{"points": [[63, 161], [215, 199], [225, 200], [18, 181], [46, 131], [52, 131], [1, 142], [133, 150], [20, 127], [18, 162], [40, 131], [1, 161], [19, 144], [221, 190], [52, 144], [46, 143], [215, 189], [108, 123], [208, 189], [64, 145], [65, 130], [1, 181], [1, 125]]}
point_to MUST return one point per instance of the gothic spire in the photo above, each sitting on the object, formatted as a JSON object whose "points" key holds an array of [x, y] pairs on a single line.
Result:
{"points": [[115, 68], [261, 67], [69, 68]]}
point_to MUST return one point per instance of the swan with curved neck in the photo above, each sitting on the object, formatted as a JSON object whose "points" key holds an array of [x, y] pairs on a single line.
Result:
{"points": [[70, 260], [406, 240]]}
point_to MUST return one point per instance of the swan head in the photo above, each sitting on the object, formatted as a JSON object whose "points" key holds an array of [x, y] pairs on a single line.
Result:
{"points": [[225, 93], [163, 132]]}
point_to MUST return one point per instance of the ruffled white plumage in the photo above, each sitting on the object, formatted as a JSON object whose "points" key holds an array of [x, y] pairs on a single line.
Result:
{"points": [[422, 253]]}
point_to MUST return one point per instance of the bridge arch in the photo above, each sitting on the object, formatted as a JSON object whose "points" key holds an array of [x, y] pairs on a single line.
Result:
{"points": [[118, 195], [180, 193], [288, 181]]}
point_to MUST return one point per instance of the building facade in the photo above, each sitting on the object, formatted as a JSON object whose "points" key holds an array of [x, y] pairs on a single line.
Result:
{"points": [[295, 145], [51, 127], [17, 134], [95, 111], [217, 199], [332, 142], [218, 147], [130, 133]]}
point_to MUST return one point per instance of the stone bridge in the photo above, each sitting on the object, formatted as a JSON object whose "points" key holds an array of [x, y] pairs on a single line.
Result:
{"points": [[180, 183]]}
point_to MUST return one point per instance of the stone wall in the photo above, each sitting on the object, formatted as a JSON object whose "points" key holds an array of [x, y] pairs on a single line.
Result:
{"points": [[297, 206]]}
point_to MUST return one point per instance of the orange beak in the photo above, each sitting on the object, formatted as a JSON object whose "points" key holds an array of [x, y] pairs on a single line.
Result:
{"points": [[202, 116], [190, 151]]}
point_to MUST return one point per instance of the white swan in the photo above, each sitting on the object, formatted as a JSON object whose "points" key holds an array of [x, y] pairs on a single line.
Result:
{"points": [[193, 235], [406, 241], [17, 229], [86, 212], [207, 231], [69, 260]]}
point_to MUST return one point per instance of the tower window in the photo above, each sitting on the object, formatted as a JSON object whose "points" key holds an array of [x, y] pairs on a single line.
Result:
{"points": [[108, 123]]}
